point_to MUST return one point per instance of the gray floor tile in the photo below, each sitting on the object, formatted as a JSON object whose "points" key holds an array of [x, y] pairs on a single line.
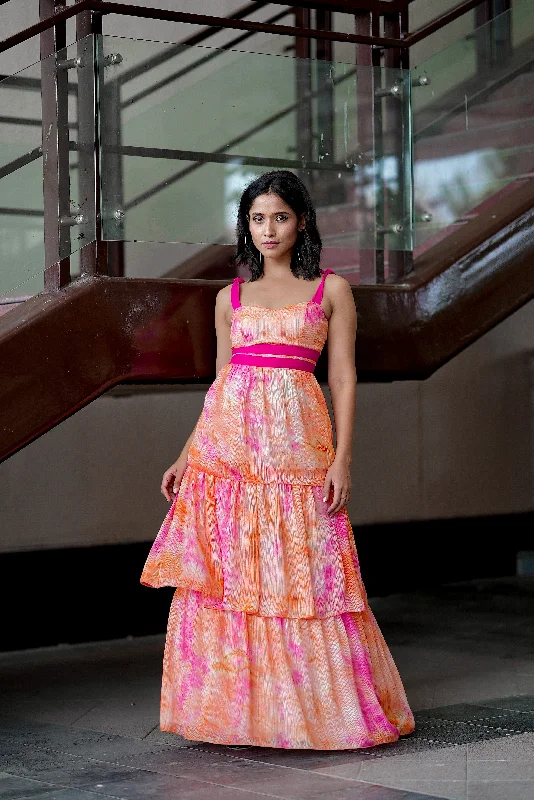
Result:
{"points": [[507, 748], [107, 747], [296, 784], [448, 789], [509, 790], [80, 774], [217, 793], [9, 746], [366, 791], [307, 759], [64, 794], [237, 773], [142, 785], [418, 796], [127, 715], [501, 771], [36, 763], [445, 764], [12, 788], [158, 760], [165, 737], [47, 735]]}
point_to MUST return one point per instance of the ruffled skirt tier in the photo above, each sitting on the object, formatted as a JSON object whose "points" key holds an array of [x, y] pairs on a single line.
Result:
{"points": [[267, 549], [237, 678], [271, 640]]}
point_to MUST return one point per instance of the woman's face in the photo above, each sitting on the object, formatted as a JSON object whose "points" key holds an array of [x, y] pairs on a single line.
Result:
{"points": [[273, 225]]}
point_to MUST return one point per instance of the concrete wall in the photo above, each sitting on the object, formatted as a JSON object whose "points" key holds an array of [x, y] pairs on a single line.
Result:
{"points": [[459, 444]]}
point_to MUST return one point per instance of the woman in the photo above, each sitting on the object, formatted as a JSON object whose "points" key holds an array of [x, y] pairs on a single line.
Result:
{"points": [[270, 640]]}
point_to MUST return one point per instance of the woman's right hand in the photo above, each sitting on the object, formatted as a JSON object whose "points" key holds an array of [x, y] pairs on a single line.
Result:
{"points": [[172, 478]]}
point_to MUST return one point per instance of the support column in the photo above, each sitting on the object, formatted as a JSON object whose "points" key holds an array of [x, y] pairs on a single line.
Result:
{"points": [[304, 119], [371, 259], [94, 256], [398, 203], [56, 181], [483, 14]]}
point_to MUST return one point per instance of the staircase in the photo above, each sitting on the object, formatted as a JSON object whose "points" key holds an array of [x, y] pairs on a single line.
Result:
{"points": [[84, 325]]}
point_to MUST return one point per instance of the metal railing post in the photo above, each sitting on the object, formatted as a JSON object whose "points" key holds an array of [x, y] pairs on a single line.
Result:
{"points": [[325, 108], [303, 116], [398, 205], [56, 181], [94, 256], [371, 260]]}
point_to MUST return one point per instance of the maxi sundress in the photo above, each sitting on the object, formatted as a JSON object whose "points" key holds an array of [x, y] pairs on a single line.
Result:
{"points": [[270, 638]]}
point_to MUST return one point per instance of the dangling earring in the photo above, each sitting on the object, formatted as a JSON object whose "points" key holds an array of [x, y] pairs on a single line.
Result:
{"points": [[246, 245]]}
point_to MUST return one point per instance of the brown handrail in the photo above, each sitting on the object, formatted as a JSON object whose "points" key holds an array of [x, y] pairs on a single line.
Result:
{"points": [[191, 19], [353, 6], [196, 38], [108, 7], [440, 22], [350, 6]]}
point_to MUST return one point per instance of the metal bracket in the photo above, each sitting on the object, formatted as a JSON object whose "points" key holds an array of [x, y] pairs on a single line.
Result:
{"points": [[395, 228], [69, 63], [75, 219], [391, 91], [113, 59]]}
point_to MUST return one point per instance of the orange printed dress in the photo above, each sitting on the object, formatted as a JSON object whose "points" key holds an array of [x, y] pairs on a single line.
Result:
{"points": [[270, 638]]}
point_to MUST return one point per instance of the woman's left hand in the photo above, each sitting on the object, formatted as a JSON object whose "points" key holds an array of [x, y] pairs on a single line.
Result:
{"points": [[338, 479]]}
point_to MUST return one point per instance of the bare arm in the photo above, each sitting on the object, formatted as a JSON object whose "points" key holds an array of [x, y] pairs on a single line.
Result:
{"points": [[342, 383], [223, 315], [223, 310]]}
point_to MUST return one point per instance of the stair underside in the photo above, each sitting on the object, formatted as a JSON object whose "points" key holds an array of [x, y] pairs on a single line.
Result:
{"points": [[60, 351]]}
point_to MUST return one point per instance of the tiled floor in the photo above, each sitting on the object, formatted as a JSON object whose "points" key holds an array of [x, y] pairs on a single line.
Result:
{"points": [[81, 722]]}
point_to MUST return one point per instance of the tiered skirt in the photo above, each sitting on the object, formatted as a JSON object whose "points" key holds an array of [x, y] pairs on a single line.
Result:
{"points": [[270, 640]]}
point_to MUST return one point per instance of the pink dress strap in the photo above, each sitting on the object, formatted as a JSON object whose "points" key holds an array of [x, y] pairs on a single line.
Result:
{"points": [[318, 296], [234, 292]]}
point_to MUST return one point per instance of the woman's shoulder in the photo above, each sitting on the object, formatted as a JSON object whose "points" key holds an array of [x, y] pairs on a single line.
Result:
{"points": [[337, 284], [224, 294], [338, 290]]}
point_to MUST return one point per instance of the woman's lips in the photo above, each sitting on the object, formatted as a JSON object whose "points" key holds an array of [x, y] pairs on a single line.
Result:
{"points": [[271, 244]]}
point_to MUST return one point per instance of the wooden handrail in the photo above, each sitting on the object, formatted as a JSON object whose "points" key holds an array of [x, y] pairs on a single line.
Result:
{"points": [[353, 6], [104, 7], [350, 6], [440, 22]]}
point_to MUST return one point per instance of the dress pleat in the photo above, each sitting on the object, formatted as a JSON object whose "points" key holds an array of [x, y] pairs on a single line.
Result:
{"points": [[270, 639]]}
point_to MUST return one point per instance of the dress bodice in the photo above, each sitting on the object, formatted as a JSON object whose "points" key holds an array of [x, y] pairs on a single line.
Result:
{"points": [[303, 324]]}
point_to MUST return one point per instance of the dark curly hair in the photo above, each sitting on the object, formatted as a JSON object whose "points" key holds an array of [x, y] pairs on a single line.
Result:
{"points": [[306, 255]]}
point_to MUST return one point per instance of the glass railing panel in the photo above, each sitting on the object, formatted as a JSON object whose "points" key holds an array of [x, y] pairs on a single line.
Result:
{"points": [[23, 256], [21, 184], [473, 122], [184, 129]]}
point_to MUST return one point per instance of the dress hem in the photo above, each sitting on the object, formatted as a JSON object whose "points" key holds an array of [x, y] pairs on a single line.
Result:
{"points": [[246, 742]]}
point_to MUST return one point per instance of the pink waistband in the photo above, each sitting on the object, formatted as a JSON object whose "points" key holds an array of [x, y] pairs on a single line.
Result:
{"points": [[267, 354]]}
